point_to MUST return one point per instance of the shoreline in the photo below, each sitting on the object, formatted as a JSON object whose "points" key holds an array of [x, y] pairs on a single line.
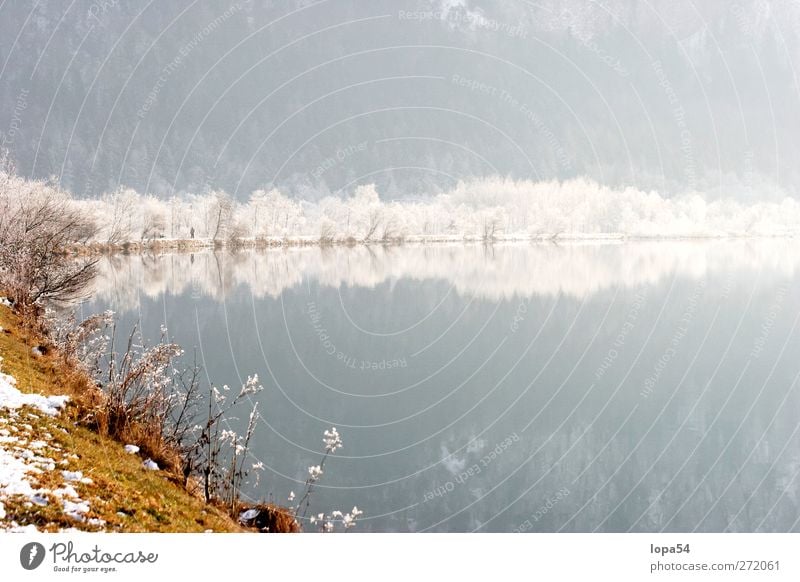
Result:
{"points": [[197, 245], [58, 473]]}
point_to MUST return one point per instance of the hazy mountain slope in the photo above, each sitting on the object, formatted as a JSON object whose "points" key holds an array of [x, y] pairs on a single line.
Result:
{"points": [[411, 95]]}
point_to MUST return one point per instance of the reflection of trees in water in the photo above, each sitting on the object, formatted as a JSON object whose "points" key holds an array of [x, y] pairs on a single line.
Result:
{"points": [[499, 272]]}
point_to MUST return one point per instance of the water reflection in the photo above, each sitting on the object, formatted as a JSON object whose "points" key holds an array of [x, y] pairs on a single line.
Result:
{"points": [[493, 272], [639, 386]]}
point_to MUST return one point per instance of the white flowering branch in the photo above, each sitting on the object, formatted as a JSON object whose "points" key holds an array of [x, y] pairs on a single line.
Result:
{"points": [[327, 522]]}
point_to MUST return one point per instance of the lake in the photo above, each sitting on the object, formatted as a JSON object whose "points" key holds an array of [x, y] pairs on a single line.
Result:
{"points": [[637, 386]]}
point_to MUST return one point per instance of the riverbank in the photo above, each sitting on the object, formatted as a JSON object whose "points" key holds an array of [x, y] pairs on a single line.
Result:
{"points": [[164, 245], [58, 475]]}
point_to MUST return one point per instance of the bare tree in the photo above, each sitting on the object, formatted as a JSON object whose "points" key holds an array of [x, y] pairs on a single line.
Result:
{"points": [[221, 214], [374, 220], [391, 230], [491, 228], [39, 226], [327, 231], [117, 229], [258, 200], [153, 226]]}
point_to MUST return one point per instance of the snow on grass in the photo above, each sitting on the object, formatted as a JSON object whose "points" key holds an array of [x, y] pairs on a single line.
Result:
{"points": [[12, 399], [151, 465], [25, 458], [131, 449], [77, 510], [75, 476], [14, 471], [72, 475]]}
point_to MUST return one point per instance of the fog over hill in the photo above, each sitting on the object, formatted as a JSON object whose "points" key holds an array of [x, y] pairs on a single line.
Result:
{"points": [[320, 97]]}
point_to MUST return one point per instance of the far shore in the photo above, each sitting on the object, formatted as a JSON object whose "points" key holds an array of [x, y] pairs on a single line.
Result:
{"points": [[159, 245]]}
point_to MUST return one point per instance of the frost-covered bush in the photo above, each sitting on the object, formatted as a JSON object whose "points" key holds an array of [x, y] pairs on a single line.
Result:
{"points": [[38, 225], [326, 522], [153, 402], [485, 209], [217, 457], [480, 209]]}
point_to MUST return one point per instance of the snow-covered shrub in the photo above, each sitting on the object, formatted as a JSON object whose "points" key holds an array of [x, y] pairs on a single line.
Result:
{"points": [[79, 344], [141, 387]]}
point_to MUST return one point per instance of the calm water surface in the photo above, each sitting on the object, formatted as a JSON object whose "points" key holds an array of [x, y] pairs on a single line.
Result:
{"points": [[609, 387]]}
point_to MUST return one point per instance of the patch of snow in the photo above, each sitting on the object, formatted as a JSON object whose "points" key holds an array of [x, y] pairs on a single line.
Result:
{"points": [[72, 475], [76, 509], [17, 470], [131, 449], [66, 491], [12, 399], [76, 476], [13, 475], [150, 464], [22, 459]]}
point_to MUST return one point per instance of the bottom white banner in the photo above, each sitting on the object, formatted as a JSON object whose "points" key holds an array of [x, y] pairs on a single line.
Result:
{"points": [[351, 557]]}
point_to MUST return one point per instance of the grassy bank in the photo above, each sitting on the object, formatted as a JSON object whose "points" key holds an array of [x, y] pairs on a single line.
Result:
{"points": [[122, 495]]}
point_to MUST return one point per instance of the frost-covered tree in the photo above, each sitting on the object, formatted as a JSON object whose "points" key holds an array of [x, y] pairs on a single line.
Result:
{"points": [[38, 225]]}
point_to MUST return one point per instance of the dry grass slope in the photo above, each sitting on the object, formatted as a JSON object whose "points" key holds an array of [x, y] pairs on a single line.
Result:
{"points": [[127, 497]]}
